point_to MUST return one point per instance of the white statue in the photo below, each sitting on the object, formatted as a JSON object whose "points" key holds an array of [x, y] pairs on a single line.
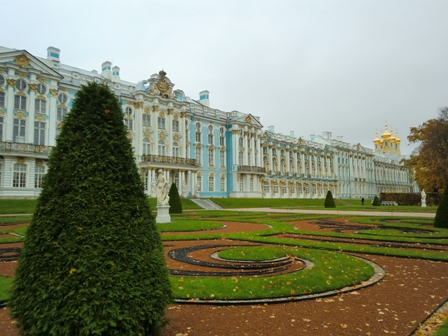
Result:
{"points": [[162, 189], [423, 196]]}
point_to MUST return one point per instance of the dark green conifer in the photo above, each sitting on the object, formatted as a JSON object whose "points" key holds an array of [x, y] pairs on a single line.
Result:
{"points": [[174, 201], [376, 201], [92, 261], [441, 219], [329, 201]]}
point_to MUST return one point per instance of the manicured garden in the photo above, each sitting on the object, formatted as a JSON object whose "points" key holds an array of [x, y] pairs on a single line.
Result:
{"points": [[327, 255]]}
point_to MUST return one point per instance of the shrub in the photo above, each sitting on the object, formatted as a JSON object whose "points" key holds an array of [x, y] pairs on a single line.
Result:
{"points": [[441, 219], [92, 261], [174, 201], [329, 201], [376, 201]]}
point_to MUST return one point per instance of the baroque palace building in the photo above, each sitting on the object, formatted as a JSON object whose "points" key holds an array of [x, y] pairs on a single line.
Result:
{"points": [[205, 151]]}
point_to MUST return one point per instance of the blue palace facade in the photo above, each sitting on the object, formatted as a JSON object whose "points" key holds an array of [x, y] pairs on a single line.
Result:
{"points": [[205, 151]]}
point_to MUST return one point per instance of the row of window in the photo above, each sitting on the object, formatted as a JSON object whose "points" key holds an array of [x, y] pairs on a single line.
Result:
{"points": [[300, 190], [19, 175]]}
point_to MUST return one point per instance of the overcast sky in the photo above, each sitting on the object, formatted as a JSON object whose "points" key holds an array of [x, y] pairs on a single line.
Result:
{"points": [[305, 66]]}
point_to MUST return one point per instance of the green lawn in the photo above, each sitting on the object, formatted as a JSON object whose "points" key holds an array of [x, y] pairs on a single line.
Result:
{"points": [[27, 206], [343, 271], [277, 203]]}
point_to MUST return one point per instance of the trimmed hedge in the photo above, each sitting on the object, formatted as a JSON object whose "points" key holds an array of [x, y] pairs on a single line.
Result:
{"points": [[174, 201], [441, 219], [412, 198], [329, 201], [376, 201], [92, 261]]}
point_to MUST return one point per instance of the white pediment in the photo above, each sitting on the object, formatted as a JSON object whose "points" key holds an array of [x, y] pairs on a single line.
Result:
{"points": [[24, 61], [250, 120]]}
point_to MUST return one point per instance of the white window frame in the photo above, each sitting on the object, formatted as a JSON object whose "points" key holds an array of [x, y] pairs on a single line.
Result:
{"points": [[161, 122], [19, 175], [20, 102], [146, 121], [161, 147], [222, 183], [39, 173], [40, 106], [19, 130], [175, 125], [211, 157], [211, 183], [40, 128]]}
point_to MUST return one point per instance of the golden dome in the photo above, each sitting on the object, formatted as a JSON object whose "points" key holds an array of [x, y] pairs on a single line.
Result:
{"points": [[376, 140], [386, 134]]}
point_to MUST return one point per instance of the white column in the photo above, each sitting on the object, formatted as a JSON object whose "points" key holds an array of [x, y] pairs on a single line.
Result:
{"points": [[52, 114], [9, 124], [30, 120]]}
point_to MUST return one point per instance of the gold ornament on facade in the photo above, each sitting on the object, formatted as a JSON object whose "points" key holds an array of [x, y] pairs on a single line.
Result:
{"points": [[155, 108], [183, 114], [1, 89], [64, 89], [138, 105], [22, 75], [176, 137], [170, 111], [33, 87], [41, 80], [39, 162], [20, 160], [248, 119], [162, 114], [147, 110], [11, 82], [20, 115], [176, 117], [234, 131], [41, 97], [22, 61], [130, 135], [163, 86], [39, 117], [53, 92]]}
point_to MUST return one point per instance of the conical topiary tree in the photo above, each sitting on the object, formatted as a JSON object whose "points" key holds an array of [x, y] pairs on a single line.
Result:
{"points": [[441, 219], [92, 261], [376, 201], [174, 201], [329, 201]]}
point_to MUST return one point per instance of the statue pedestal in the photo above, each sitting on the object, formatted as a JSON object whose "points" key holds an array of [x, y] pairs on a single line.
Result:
{"points": [[163, 214], [424, 204]]}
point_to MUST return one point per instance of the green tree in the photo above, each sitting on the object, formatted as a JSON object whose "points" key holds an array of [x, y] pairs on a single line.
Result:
{"points": [[376, 201], [429, 159], [174, 201], [441, 219], [92, 261], [329, 201]]}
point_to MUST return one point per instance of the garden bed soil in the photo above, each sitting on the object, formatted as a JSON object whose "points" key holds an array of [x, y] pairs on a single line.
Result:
{"points": [[411, 291]]}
